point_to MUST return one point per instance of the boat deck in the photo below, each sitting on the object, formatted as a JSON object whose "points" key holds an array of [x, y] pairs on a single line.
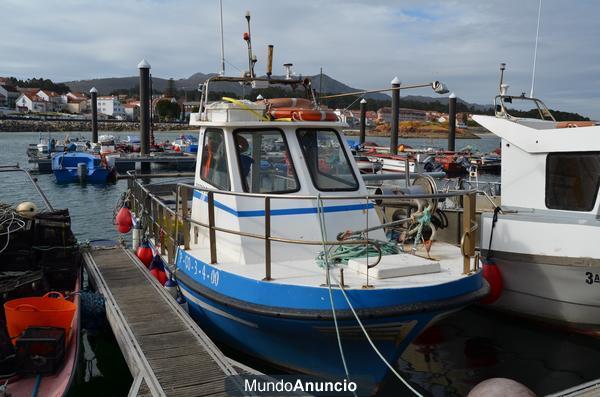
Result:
{"points": [[308, 273], [166, 352]]}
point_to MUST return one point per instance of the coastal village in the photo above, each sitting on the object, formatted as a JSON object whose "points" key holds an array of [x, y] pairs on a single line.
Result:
{"points": [[25, 102]]}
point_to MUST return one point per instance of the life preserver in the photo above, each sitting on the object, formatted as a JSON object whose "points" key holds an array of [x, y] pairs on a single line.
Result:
{"points": [[299, 114], [300, 103], [574, 124]]}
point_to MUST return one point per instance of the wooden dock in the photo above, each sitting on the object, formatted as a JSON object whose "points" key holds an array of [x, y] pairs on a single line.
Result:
{"points": [[165, 350]]}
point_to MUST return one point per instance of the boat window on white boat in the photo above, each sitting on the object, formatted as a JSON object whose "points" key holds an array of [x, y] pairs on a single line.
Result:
{"points": [[327, 161], [214, 169], [572, 180], [265, 162]]}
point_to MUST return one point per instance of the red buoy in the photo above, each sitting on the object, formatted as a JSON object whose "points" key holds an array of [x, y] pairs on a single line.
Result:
{"points": [[144, 253], [123, 220], [155, 272], [492, 275], [161, 277]]}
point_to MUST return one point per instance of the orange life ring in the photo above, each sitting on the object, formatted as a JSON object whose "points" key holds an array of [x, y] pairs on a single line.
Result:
{"points": [[299, 114], [300, 103], [574, 124]]}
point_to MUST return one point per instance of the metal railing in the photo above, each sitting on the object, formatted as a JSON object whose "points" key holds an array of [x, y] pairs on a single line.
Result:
{"points": [[172, 228]]}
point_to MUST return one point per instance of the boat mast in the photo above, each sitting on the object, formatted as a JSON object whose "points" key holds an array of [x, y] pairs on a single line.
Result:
{"points": [[222, 43], [537, 33]]}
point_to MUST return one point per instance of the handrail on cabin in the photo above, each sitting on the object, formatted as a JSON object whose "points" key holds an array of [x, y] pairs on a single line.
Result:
{"points": [[180, 218]]}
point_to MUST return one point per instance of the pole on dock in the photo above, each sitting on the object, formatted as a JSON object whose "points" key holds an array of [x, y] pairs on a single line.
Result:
{"points": [[363, 121], [144, 68], [395, 115], [451, 122], [94, 93]]}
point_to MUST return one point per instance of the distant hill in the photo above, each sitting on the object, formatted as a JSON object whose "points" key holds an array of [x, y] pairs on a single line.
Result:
{"points": [[106, 85]]}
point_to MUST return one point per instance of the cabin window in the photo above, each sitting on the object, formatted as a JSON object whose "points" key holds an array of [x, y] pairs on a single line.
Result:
{"points": [[265, 162], [327, 161], [572, 180], [214, 168]]}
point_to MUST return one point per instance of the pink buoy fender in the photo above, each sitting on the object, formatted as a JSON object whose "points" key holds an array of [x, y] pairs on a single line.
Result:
{"points": [[123, 220]]}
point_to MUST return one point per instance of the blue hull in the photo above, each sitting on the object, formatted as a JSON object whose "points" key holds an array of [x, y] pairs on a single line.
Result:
{"points": [[101, 175], [291, 326]]}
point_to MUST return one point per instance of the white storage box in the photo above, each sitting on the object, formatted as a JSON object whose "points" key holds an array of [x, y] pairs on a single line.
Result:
{"points": [[242, 111], [399, 265]]}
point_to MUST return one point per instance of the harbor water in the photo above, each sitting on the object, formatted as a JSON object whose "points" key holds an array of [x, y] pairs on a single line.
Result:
{"points": [[450, 358]]}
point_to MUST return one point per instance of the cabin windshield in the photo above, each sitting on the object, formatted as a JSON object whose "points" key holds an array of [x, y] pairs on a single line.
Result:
{"points": [[265, 162], [327, 161]]}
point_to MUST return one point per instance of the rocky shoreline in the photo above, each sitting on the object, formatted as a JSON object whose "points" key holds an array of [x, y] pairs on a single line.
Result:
{"points": [[12, 125]]}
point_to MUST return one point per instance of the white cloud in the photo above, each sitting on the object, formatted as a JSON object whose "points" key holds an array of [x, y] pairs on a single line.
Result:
{"points": [[362, 43]]}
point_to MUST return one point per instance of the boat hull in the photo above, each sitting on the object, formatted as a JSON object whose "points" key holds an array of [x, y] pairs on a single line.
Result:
{"points": [[100, 175], [302, 339], [578, 312]]}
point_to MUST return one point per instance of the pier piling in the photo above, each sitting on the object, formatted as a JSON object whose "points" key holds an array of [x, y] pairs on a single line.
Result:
{"points": [[395, 115], [452, 122], [363, 120], [94, 100], [145, 99]]}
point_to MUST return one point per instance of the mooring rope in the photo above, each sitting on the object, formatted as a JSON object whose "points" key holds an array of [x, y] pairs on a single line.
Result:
{"points": [[362, 327], [10, 222], [326, 254], [329, 275]]}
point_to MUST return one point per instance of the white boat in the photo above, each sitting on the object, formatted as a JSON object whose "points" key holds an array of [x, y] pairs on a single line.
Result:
{"points": [[106, 144], [274, 202], [366, 165], [544, 239]]}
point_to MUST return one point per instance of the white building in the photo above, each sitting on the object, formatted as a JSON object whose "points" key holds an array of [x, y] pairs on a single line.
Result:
{"points": [[54, 101], [132, 111], [8, 96], [111, 106], [31, 102]]}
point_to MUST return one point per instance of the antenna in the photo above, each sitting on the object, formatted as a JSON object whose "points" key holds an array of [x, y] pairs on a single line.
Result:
{"points": [[270, 61], [248, 38], [502, 67], [537, 33], [222, 44]]}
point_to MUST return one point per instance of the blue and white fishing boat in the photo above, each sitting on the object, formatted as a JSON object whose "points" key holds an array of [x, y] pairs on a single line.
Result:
{"points": [[291, 264], [69, 167]]}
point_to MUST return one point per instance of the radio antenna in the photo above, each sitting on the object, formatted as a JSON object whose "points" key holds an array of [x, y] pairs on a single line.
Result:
{"points": [[222, 43], [537, 34]]}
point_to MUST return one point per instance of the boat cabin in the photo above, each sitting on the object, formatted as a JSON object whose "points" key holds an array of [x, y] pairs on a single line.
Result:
{"points": [[242, 152], [546, 164]]}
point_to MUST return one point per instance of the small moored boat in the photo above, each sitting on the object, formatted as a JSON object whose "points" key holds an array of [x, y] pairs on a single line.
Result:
{"points": [[70, 167], [39, 285]]}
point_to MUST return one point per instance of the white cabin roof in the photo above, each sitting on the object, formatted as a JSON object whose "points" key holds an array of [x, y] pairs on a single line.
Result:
{"points": [[547, 140]]}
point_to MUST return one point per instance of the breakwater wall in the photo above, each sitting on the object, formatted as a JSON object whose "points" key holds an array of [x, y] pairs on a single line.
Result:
{"points": [[26, 125]]}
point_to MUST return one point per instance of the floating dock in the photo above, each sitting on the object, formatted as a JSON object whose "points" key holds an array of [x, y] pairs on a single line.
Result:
{"points": [[166, 351], [132, 162]]}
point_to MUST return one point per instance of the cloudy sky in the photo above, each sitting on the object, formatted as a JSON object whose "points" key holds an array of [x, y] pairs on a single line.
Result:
{"points": [[361, 43]]}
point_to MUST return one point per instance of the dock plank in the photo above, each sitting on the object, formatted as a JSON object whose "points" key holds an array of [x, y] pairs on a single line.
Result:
{"points": [[160, 341]]}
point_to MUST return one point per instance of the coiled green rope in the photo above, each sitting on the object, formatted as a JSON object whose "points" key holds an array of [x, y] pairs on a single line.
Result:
{"points": [[341, 254]]}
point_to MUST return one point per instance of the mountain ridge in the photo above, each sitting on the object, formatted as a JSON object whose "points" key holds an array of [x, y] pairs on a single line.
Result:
{"points": [[326, 83]]}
